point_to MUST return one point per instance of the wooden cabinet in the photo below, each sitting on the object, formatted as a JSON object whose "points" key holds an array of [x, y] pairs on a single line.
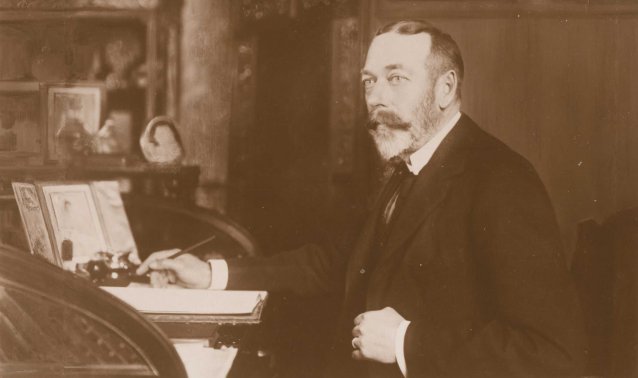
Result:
{"points": [[68, 65], [68, 61]]}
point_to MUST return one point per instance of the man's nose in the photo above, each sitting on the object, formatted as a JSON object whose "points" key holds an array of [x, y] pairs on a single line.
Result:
{"points": [[377, 95]]}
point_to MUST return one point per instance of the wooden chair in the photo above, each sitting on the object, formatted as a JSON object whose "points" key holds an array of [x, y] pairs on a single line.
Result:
{"points": [[161, 224], [606, 271]]}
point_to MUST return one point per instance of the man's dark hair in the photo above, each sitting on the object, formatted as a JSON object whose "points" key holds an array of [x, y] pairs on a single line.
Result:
{"points": [[445, 53]]}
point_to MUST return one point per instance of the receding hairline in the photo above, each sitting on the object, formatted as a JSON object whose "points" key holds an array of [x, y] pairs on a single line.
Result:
{"points": [[444, 53]]}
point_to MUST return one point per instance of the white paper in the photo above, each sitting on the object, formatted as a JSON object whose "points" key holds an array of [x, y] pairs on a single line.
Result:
{"points": [[202, 361], [188, 301]]}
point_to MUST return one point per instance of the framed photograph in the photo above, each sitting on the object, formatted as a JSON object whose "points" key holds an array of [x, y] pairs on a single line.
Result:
{"points": [[34, 223], [74, 217], [21, 133], [117, 229], [74, 112]]}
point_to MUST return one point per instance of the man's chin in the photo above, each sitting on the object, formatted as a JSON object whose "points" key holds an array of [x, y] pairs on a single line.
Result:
{"points": [[391, 144]]}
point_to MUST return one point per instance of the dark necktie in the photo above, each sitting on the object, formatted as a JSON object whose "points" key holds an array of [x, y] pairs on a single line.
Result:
{"points": [[400, 186], [391, 201]]}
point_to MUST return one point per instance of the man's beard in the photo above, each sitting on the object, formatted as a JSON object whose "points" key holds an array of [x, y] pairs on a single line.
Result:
{"points": [[395, 137]]}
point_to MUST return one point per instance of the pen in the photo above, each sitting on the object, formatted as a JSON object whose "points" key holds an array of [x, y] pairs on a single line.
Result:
{"points": [[192, 247], [145, 278]]}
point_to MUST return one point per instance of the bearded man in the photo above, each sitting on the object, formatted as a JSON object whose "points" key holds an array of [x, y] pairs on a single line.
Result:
{"points": [[458, 270]]}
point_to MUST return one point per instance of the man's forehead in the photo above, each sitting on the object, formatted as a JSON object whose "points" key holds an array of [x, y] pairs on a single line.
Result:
{"points": [[392, 49]]}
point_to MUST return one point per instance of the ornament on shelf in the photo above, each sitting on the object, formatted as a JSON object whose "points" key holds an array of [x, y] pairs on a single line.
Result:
{"points": [[106, 139], [161, 143]]}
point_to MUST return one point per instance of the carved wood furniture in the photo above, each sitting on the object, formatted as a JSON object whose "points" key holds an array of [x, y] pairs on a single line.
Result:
{"points": [[55, 324]]}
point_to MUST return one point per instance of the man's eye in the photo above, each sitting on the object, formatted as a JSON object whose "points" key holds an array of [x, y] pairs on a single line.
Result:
{"points": [[396, 79], [368, 82]]}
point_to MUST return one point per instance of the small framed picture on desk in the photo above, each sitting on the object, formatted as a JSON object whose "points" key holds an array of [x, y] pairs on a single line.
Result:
{"points": [[74, 218], [34, 224]]}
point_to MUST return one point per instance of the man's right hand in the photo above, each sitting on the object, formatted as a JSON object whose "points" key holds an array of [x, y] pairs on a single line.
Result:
{"points": [[186, 270]]}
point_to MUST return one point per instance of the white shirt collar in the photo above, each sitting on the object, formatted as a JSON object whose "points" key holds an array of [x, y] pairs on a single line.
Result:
{"points": [[422, 156]]}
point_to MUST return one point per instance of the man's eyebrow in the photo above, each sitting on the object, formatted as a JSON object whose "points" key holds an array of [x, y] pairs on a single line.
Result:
{"points": [[389, 67]]}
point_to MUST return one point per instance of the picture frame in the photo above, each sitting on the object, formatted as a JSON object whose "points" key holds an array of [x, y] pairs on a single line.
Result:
{"points": [[73, 110], [71, 222], [21, 120], [73, 215], [34, 222], [115, 224]]}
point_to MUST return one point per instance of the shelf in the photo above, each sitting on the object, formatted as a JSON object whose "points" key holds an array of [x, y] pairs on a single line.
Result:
{"points": [[65, 5], [126, 47]]}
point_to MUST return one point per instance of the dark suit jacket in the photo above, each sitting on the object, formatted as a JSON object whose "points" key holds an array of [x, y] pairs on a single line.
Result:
{"points": [[473, 260]]}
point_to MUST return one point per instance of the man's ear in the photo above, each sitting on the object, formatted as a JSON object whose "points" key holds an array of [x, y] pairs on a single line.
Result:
{"points": [[445, 89]]}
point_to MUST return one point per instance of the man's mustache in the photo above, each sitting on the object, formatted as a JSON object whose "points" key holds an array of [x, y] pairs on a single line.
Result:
{"points": [[388, 118]]}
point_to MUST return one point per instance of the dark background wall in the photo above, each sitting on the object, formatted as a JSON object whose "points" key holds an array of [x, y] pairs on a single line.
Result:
{"points": [[288, 188], [282, 182]]}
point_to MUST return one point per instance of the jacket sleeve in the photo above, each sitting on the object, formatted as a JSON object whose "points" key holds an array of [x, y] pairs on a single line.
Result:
{"points": [[534, 326], [308, 270]]}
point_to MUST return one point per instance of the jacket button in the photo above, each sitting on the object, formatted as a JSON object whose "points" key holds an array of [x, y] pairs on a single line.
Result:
{"points": [[362, 271]]}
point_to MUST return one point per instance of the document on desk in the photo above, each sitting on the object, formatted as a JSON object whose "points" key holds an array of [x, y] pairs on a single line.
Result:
{"points": [[188, 301]]}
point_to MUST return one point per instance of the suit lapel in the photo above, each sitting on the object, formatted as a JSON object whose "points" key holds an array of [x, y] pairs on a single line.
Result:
{"points": [[428, 191]]}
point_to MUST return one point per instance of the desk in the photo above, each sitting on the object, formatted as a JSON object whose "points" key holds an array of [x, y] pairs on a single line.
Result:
{"points": [[203, 361], [235, 352], [232, 350], [208, 328]]}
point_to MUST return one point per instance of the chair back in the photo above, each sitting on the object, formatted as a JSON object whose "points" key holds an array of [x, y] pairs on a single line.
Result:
{"points": [[605, 268], [162, 224]]}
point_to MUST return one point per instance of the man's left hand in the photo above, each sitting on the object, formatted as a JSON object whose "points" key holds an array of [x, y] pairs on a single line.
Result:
{"points": [[374, 335]]}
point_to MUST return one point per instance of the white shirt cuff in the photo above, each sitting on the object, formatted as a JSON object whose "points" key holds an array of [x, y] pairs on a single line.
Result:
{"points": [[398, 346], [219, 274]]}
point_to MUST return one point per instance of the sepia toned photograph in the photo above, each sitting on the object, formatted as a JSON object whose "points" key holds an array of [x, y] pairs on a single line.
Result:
{"points": [[74, 114], [74, 220], [320, 188], [114, 219]]}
